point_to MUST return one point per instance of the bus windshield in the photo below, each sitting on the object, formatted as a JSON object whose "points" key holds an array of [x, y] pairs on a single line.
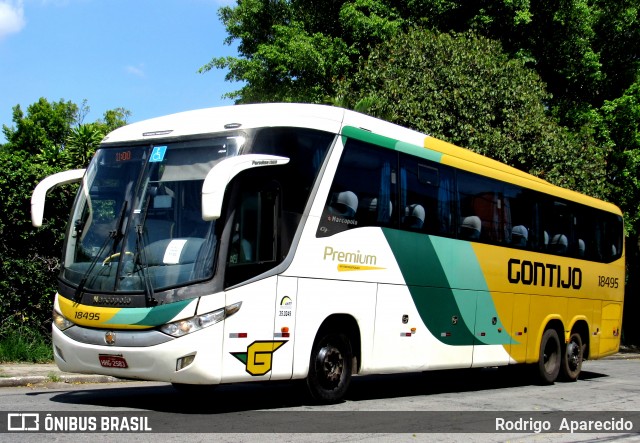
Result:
{"points": [[137, 222]]}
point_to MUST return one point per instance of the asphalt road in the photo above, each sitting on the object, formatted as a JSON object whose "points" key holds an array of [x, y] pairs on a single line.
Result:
{"points": [[466, 405]]}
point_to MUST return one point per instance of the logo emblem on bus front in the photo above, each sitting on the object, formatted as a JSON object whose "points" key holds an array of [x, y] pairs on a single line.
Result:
{"points": [[259, 356], [110, 338]]}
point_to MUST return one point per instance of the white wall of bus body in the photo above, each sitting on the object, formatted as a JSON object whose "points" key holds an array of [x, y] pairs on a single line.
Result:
{"points": [[400, 347], [412, 346], [491, 355], [254, 323], [326, 288], [154, 363], [211, 120]]}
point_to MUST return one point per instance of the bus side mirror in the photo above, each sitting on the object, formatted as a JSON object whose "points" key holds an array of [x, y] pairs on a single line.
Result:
{"points": [[221, 174], [40, 192]]}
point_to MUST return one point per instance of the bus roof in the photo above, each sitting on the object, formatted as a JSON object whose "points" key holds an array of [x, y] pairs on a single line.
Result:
{"points": [[337, 120], [226, 118]]}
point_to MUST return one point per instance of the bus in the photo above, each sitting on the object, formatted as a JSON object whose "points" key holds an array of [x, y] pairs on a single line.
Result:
{"points": [[296, 241]]}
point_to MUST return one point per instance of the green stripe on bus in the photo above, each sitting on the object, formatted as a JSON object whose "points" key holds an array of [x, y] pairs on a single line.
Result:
{"points": [[155, 316], [429, 287], [390, 143], [464, 271], [449, 296]]}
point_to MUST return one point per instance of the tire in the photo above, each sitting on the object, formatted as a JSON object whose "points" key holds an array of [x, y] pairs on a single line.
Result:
{"points": [[550, 358], [330, 368], [572, 358]]}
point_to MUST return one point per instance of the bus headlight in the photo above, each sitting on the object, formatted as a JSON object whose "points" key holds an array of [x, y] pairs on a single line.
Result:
{"points": [[61, 321], [193, 324]]}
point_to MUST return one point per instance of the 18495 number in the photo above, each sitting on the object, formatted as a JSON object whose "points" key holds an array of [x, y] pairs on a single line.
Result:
{"points": [[609, 282], [81, 315]]}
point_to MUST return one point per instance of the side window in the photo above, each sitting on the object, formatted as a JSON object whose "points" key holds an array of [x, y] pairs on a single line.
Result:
{"points": [[525, 225], [609, 237], [615, 229], [306, 150], [254, 242], [558, 227], [364, 190], [484, 214], [585, 228], [427, 201]]}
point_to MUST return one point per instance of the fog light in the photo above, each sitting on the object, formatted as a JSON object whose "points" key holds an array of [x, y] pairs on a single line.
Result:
{"points": [[185, 361]]}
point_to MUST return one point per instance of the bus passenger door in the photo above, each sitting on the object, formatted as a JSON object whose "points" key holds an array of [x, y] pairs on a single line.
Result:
{"points": [[251, 349]]}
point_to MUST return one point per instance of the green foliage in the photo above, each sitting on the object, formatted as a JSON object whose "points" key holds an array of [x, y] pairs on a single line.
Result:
{"points": [[21, 343], [113, 119], [82, 143], [466, 90], [585, 51], [297, 50], [620, 128], [44, 129]]}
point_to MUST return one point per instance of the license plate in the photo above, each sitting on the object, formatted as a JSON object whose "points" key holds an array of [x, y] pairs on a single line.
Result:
{"points": [[113, 361]]}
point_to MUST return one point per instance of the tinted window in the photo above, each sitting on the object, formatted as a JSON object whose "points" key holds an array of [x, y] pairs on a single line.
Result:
{"points": [[364, 190]]}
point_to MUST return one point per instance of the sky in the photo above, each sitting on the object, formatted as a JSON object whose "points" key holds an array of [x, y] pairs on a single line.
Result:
{"points": [[141, 55]]}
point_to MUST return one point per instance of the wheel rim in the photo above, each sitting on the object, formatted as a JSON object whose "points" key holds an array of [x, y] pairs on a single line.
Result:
{"points": [[330, 364], [573, 355]]}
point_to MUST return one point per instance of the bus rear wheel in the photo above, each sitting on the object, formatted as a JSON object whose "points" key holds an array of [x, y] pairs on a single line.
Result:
{"points": [[550, 357], [330, 368], [572, 358]]}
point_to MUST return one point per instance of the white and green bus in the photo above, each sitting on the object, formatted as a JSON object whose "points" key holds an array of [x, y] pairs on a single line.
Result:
{"points": [[290, 241]]}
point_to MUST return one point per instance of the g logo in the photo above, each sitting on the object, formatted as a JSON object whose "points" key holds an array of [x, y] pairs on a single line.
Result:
{"points": [[259, 356]]}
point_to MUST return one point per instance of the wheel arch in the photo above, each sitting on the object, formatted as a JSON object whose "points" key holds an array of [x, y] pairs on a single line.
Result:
{"points": [[549, 323], [347, 325]]}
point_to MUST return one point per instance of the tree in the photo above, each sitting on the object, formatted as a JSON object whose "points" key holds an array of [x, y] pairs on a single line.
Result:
{"points": [[44, 129], [296, 50], [586, 51], [113, 119], [465, 89], [620, 128], [82, 143]]}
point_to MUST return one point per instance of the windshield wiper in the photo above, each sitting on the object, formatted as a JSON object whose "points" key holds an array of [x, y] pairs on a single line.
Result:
{"points": [[116, 236], [141, 256], [141, 259]]}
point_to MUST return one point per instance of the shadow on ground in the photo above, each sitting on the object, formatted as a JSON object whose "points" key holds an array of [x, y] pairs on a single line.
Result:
{"points": [[277, 395]]}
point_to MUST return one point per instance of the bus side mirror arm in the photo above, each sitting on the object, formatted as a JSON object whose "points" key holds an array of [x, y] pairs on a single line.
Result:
{"points": [[221, 174], [40, 192]]}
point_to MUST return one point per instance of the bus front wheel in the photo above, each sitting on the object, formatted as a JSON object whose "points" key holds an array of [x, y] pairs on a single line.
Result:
{"points": [[330, 368], [572, 358], [550, 357]]}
